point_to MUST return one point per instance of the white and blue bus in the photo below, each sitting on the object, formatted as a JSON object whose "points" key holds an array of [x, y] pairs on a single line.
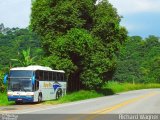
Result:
{"points": [[35, 84]]}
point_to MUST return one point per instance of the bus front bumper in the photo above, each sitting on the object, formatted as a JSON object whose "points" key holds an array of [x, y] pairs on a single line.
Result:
{"points": [[21, 98]]}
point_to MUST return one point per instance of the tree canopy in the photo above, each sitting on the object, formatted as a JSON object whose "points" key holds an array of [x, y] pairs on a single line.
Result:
{"points": [[139, 61], [14, 42], [79, 36]]}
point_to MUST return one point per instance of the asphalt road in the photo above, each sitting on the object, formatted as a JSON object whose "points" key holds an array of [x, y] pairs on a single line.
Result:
{"points": [[133, 102]]}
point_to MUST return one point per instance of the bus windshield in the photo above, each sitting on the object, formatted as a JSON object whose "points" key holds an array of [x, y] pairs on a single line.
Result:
{"points": [[16, 84], [21, 73]]}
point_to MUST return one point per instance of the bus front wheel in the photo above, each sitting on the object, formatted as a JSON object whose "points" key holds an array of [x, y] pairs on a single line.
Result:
{"points": [[17, 102], [58, 94]]}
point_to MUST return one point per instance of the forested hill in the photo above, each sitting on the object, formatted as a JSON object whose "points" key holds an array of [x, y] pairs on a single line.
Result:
{"points": [[13, 41], [139, 61]]}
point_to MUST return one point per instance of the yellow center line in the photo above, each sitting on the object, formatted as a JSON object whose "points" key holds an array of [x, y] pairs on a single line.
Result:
{"points": [[97, 113], [109, 109], [106, 110]]}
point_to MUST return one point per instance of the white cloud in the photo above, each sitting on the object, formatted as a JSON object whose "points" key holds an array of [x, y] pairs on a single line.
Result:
{"points": [[136, 6]]}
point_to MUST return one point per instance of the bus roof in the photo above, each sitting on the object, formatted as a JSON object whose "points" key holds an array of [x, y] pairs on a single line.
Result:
{"points": [[36, 67]]}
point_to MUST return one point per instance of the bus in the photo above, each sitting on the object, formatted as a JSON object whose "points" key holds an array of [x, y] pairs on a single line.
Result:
{"points": [[35, 84]]}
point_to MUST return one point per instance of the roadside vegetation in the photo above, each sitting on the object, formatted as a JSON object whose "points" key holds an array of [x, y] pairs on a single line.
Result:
{"points": [[109, 88], [4, 100], [116, 87], [76, 96], [138, 61]]}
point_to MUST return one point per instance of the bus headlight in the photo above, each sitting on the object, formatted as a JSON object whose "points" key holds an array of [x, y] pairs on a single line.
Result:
{"points": [[9, 94]]}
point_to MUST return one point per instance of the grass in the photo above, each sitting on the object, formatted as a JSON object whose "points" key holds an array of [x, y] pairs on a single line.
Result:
{"points": [[80, 95], [4, 100], [109, 88], [116, 87], [75, 96]]}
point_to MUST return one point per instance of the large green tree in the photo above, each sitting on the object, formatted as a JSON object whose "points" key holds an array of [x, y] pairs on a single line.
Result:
{"points": [[83, 33]]}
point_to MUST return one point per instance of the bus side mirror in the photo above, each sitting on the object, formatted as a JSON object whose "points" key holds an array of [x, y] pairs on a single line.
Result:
{"points": [[33, 80], [5, 79]]}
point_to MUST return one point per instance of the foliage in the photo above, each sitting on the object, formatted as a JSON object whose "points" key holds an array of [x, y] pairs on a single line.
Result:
{"points": [[73, 52], [139, 61], [15, 41], [25, 58], [80, 37], [117, 87], [2, 86], [4, 100], [80, 95], [76, 96]]}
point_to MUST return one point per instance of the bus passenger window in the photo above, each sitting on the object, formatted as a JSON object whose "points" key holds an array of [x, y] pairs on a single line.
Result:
{"points": [[54, 76], [39, 75], [58, 77], [62, 77], [50, 76], [46, 75]]}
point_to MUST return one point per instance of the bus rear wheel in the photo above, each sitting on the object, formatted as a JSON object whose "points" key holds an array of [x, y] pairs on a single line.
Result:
{"points": [[58, 94]]}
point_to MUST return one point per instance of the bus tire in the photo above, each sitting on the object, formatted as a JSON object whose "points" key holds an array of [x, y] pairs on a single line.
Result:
{"points": [[40, 98], [58, 94]]}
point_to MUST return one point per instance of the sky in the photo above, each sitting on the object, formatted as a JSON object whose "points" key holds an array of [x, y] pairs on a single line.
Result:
{"points": [[15, 13], [140, 17]]}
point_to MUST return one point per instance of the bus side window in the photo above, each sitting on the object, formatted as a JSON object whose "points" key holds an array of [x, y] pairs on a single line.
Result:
{"points": [[54, 76], [39, 75], [62, 77], [36, 74], [58, 77], [46, 75], [50, 76]]}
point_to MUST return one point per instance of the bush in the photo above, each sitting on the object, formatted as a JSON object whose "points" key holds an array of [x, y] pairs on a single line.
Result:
{"points": [[117, 87], [2, 86], [80, 95], [4, 100], [75, 96]]}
